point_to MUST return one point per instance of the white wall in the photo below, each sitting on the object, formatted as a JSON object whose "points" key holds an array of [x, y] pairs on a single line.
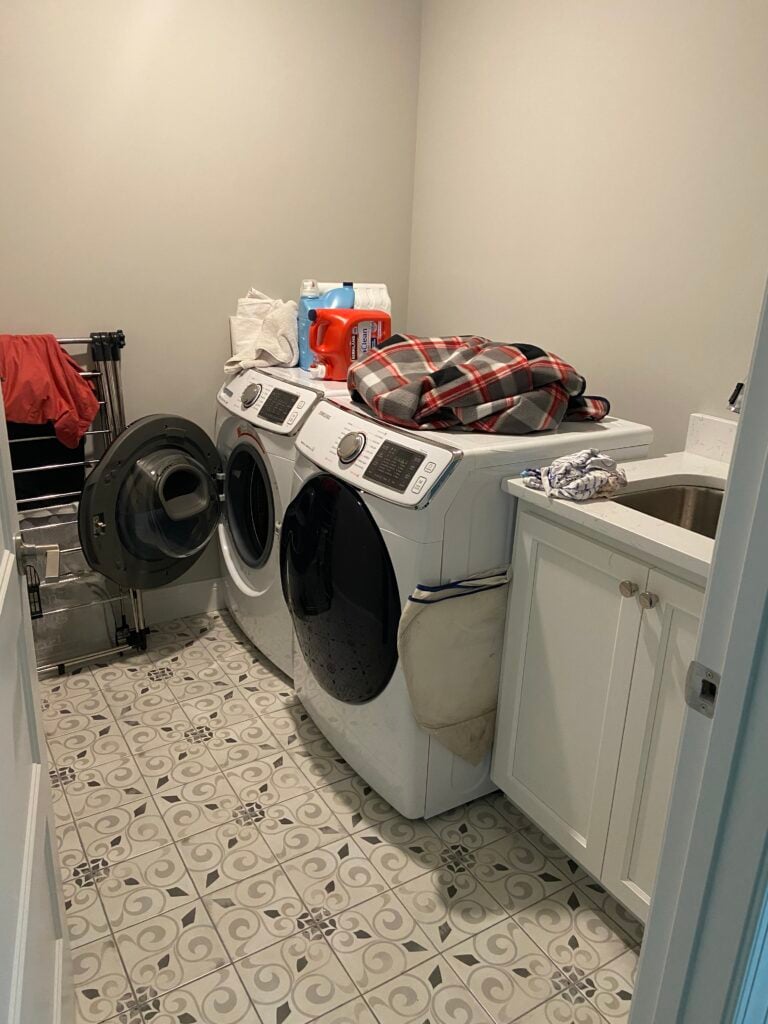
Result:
{"points": [[592, 177], [161, 156]]}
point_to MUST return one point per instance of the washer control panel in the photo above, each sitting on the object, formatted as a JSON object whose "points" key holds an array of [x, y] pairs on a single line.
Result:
{"points": [[372, 456], [277, 405]]}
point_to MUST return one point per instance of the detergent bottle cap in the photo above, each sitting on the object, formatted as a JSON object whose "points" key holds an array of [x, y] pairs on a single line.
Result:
{"points": [[318, 371], [309, 288]]}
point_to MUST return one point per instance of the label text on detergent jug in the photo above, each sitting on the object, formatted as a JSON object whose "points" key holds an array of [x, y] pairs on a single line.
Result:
{"points": [[365, 337]]}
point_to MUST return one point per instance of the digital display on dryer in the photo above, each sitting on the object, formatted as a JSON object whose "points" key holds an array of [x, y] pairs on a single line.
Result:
{"points": [[278, 405], [394, 466]]}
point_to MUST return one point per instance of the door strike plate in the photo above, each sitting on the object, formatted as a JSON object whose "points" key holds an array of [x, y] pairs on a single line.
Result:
{"points": [[701, 686]]}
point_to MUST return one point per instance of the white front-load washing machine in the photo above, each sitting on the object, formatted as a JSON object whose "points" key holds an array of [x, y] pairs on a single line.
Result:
{"points": [[376, 511], [259, 413]]}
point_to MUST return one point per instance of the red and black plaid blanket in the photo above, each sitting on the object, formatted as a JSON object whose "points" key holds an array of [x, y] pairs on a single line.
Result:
{"points": [[471, 383]]}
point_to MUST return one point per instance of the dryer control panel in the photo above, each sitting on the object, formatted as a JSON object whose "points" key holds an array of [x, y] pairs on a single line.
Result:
{"points": [[276, 405], [375, 458]]}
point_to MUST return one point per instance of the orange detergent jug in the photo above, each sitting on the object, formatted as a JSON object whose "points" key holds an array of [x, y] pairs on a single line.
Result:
{"points": [[339, 337]]}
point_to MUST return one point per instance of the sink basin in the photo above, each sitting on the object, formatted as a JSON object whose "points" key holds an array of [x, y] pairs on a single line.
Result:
{"points": [[693, 506]]}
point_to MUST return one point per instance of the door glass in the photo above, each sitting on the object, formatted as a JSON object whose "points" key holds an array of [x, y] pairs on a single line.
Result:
{"points": [[150, 506], [341, 589], [250, 505]]}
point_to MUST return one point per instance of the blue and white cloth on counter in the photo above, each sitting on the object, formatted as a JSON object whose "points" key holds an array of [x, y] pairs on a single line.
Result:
{"points": [[579, 477]]}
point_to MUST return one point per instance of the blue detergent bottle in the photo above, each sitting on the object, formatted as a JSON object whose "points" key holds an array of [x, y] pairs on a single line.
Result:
{"points": [[311, 297]]}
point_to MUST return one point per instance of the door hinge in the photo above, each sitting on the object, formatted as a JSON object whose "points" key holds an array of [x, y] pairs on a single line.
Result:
{"points": [[26, 552], [701, 686]]}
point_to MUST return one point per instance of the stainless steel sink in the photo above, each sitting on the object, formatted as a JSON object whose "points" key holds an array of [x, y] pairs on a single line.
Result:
{"points": [[693, 506]]}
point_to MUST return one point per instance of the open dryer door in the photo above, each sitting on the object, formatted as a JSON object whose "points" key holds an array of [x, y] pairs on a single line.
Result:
{"points": [[151, 505]]}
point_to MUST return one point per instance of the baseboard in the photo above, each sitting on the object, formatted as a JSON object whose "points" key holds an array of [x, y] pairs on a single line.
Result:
{"points": [[183, 599]]}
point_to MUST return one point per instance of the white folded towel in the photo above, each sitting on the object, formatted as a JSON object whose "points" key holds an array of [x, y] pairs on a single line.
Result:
{"points": [[262, 333]]}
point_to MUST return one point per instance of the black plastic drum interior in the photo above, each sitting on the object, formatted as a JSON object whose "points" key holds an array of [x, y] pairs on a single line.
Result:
{"points": [[341, 589], [250, 505]]}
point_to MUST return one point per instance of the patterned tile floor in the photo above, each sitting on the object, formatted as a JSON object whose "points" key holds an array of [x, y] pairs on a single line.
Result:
{"points": [[222, 864]]}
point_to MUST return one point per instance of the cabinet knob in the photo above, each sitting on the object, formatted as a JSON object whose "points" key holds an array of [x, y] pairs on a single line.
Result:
{"points": [[648, 600], [627, 588]]}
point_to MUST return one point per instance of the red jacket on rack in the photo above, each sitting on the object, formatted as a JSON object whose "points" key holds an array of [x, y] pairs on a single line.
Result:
{"points": [[42, 383]]}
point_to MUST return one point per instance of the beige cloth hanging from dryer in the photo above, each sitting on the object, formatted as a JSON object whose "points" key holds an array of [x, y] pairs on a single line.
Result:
{"points": [[450, 640]]}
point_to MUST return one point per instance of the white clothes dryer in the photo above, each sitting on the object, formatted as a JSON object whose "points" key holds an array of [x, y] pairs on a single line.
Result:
{"points": [[259, 413], [376, 511]]}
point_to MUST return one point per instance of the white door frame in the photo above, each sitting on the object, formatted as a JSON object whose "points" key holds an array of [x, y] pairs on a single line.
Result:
{"points": [[712, 875]]}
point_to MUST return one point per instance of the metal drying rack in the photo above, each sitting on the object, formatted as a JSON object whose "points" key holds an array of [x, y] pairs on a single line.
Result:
{"points": [[101, 356]]}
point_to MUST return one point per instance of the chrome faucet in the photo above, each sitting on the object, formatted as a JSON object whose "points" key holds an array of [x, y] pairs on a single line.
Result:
{"points": [[737, 395]]}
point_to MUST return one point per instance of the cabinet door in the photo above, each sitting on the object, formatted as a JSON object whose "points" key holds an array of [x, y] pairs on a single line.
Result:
{"points": [[649, 749], [569, 651]]}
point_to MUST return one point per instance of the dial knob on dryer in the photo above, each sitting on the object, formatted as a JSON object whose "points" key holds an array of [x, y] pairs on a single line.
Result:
{"points": [[350, 446], [250, 394]]}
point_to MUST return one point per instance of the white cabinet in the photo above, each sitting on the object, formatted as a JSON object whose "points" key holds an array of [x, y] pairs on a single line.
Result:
{"points": [[651, 735], [591, 701]]}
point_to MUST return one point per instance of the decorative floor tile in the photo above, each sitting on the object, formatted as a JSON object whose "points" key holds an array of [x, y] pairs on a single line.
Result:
{"points": [[401, 849], [218, 997], [185, 760], [610, 988], [356, 804], [86, 741], [102, 989], [197, 806], [208, 622], [269, 693], [355, 1012], [173, 630], [472, 825], [321, 763], [225, 854], [88, 703], [516, 873], [292, 727], [123, 832], [77, 683], [622, 917], [572, 931], [271, 780], [335, 877], [196, 680], [571, 1007], [262, 671], [177, 657], [298, 826], [256, 912], [174, 949], [84, 914], [239, 744], [70, 850], [505, 971], [562, 861], [104, 787], [120, 672], [450, 905], [136, 697], [430, 992], [378, 940], [136, 890], [504, 806], [59, 779], [296, 980], [239, 659], [155, 728], [223, 708]]}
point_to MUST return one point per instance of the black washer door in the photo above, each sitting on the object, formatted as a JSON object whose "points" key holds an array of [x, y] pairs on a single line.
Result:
{"points": [[340, 587], [151, 505], [250, 505]]}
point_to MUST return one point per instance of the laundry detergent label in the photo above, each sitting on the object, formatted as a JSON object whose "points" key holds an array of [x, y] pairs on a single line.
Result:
{"points": [[365, 338]]}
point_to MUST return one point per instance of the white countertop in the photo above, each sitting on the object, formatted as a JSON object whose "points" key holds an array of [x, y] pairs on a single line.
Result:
{"points": [[664, 542]]}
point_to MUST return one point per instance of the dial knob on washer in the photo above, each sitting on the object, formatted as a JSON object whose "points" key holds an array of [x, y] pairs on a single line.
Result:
{"points": [[250, 394], [350, 446]]}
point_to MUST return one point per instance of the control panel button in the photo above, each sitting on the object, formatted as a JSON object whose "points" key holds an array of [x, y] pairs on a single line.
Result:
{"points": [[429, 468], [419, 485], [250, 395], [350, 446]]}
